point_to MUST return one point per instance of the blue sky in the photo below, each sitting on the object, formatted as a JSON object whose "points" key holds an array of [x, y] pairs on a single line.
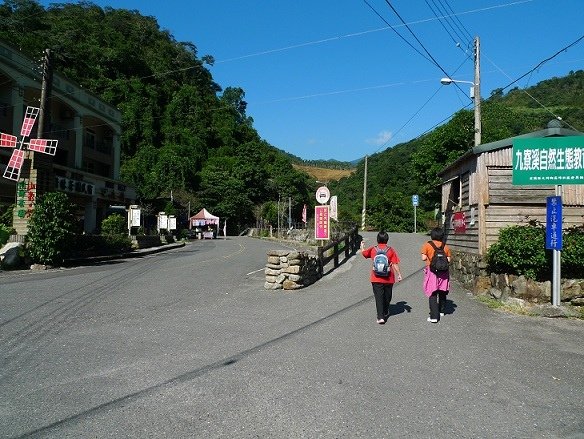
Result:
{"points": [[328, 79]]}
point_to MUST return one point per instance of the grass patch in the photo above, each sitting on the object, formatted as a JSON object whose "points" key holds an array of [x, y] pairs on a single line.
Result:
{"points": [[490, 302]]}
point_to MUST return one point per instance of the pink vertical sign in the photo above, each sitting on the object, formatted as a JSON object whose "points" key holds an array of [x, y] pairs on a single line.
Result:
{"points": [[321, 222]]}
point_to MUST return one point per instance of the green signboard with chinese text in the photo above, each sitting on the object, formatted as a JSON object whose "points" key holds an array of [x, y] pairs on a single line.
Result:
{"points": [[548, 161]]}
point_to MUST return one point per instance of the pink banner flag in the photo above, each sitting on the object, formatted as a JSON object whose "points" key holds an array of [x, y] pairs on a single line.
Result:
{"points": [[304, 214]]}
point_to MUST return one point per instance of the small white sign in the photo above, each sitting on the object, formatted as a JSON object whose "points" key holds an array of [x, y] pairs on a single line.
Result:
{"points": [[172, 222], [162, 221], [134, 217], [334, 214], [323, 195]]}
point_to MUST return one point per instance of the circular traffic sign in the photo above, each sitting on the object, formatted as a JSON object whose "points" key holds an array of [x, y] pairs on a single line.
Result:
{"points": [[323, 194]]}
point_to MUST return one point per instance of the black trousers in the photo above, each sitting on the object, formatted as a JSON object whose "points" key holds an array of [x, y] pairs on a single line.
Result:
{"points": [[382, 293], [437, 303]]}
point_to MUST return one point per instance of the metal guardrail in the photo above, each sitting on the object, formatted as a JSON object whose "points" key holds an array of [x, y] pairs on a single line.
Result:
{"points": [[348, 244]]}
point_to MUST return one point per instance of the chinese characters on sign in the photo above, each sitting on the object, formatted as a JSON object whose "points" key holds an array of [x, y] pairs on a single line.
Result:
{"points": [[321, 222], [551, 160], [25, 197], [70, 185], [553, 228]]}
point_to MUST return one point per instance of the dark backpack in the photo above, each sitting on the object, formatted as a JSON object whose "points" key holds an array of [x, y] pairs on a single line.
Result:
{"points": [[381, 264], [439, 262]]}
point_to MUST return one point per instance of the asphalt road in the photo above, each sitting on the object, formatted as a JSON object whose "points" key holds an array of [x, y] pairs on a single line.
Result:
{"points": [[187, 344]]}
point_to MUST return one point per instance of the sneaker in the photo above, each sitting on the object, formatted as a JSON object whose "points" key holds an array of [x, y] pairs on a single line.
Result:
{"points": [[380, 321], [432, 320], [441, 314]]}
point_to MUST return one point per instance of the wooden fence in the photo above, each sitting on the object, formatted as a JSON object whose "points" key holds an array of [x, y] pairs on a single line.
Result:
{"points": [[348, 244]]}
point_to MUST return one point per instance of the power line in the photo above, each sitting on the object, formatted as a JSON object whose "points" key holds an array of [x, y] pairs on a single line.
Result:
{"points": [[531, 71], [451, 15], [384, 145], [543, 62], [457, 41], [431, 59], [416, 38], [396, 32]]}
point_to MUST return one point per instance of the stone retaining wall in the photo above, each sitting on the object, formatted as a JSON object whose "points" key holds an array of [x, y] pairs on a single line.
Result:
{"points": [[290, 269], [146, 241], [472, 272]]}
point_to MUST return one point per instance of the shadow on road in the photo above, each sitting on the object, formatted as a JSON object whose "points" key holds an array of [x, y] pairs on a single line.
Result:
{"points": [[399, 308], [449, 307]]}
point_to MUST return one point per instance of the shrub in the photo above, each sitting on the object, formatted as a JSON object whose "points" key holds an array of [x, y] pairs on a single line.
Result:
{"points": [[520, 250], [6, 212], [573, 252], [115, 234], [50, 228], [114, 225], [5, 233]]}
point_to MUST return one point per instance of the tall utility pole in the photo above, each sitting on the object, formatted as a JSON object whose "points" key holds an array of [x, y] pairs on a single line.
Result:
{"points": [[477, 91], [46, 86], [289, 212], [364, 196]]}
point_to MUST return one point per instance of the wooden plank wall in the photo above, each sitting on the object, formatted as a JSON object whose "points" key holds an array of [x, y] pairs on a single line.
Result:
{"points": [[499, 217], [499, 162], [502, 191], [465, 242]]}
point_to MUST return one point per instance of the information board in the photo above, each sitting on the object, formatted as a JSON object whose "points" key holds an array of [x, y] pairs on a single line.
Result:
{"points": [[549, 160]]}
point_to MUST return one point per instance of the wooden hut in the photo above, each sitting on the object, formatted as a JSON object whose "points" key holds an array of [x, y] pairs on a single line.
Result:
{"points": [[479, 199]]}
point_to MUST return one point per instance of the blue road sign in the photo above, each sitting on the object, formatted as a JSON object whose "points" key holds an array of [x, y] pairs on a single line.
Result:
{"points": [[553, 228], [415, 200]]}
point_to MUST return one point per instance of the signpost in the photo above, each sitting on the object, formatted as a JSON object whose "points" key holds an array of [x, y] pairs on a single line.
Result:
{"points": [[415, 202], [545, 161], [321, 222], [322, 214]]}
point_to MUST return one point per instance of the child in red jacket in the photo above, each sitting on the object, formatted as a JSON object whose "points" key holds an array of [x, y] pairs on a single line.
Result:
{"points": [[382, 281]]}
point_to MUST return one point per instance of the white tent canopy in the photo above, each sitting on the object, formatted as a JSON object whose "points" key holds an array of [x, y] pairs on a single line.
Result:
{"points": [[204, 218]]}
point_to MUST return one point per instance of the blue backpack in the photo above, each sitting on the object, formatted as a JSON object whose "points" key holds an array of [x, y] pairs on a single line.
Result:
{"points": [[381, 264]]}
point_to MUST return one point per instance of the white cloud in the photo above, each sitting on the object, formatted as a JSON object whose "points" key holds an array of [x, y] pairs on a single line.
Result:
{"points": [[382, 137]]}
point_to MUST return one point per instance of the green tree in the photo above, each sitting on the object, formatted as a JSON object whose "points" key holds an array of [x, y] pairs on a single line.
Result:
{"points": [[51, 229]]}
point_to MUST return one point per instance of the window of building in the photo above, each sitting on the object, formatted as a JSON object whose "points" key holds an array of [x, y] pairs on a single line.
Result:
{"points": [[88, 166], [89, 139], [455, 190]]}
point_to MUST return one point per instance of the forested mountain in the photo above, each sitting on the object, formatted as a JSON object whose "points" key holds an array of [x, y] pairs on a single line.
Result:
{"points": [[395, 174], [181, 131]]}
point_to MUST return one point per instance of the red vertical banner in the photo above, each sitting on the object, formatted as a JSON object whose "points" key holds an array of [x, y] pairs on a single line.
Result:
{"points": [[459, 222], [321, 222]]}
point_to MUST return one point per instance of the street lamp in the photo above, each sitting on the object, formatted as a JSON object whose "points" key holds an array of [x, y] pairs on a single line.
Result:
{"points": [[475, 95]]}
